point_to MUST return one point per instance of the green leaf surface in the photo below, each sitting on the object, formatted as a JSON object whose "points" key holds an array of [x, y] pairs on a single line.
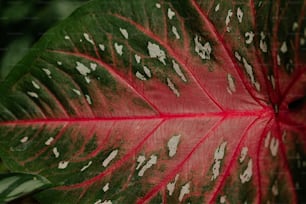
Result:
{"points": [[168, 101]]}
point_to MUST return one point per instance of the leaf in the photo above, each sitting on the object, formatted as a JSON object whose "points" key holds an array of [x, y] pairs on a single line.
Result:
{"points": [[15, 185], [163, 102]]}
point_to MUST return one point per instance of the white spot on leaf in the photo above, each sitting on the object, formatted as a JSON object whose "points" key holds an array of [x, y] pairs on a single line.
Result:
{"points": [[67, 37], [110, 157], [284, 47], [106, 187], [24, 139], [223, 199], [275, 189], [86, 166], [59, 63], [217, 8], [231, 83], [93, 66], [156, 52], [178, 71], [171, 13], [141, 159], [247, 174], [55, 152], [76, 91], [149, 164], [49, 141], [63, 164], [175, 32], [249, 70], [124, 33], [274, 146], [239, 14], [228, 19], [147, 71], [83, 70], [184, 190], [172, 87], [88, 38], [140, 76], [88, 99], [47, 72], [243, 154], [119, 49], [32, 94], [173, 144], [295, 26], [263, 44], [171, 186], [36, 86], [204, 51], [249, 37], [137, 58], [158, 5], [238, 56], [218, 156], [102, 47]]}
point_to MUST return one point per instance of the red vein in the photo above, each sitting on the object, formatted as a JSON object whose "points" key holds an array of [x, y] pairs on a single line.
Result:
{"points": [[115, 165], [112, 71], [170, 176], [174, 55], [215, 33]]}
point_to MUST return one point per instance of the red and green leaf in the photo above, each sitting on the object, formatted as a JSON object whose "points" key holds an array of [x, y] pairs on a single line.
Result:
{"points": [[163, 102]]}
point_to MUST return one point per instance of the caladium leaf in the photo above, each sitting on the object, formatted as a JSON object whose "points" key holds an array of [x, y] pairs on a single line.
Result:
{"points": [[163, 102]]}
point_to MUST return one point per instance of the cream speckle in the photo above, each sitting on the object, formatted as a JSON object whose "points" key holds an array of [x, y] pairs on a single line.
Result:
{"points": [[88, 38], [76, 91], [86, 166], [83, 70], [106, 187], [93, 66], [156, 52], [173, 144], [87, 79], [36, 86], [178, 71], [124, 32], [59, 63], [275, 189], [55, 152], [158, 5], [24, 139], [140, 76], [223, 199], [295, 26], [141, 159], [218, 156], [170, 13], [204, 51], [302, 41], [110, 157], [67, 37], [172, 87], [98, 202], [249, 37], [47, 72], [274, 146], [263, 44], [243, 154], [171, 186], [63, 164], [217, 8], [119, 49], [238, 56], [247, 174], [175, 32], [184, 190], [88, 99], [107, 202], [33, 94], [278, 60], [137, 58], [228, 19], [147, 71], [102, 47], [49, 141], [231, 83], [249, 70], [239, 14], [284, 47], [149, 164]]}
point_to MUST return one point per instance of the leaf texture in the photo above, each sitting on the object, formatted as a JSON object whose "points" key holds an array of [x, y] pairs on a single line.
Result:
{"points": [[163, 102]]}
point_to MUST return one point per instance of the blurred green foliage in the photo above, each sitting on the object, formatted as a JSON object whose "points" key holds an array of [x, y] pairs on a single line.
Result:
{"points": [[22, 22]]}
